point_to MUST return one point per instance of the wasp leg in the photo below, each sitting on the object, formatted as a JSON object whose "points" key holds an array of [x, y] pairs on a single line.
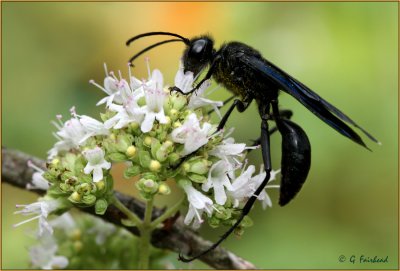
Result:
{"points": [[223, 104], [208, 76], [240, 105], [284, 113], [296, 157], [265, 146]]}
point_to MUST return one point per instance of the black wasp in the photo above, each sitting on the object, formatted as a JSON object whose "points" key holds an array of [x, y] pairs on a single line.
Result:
{"points": [[243, 71]]}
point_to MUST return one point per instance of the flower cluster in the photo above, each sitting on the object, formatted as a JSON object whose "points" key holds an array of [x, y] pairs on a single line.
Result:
{"points": [[87, 243], [159, 136]]}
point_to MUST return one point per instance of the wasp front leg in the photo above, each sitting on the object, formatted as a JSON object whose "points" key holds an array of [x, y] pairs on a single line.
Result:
{"points": [[210, 72]]}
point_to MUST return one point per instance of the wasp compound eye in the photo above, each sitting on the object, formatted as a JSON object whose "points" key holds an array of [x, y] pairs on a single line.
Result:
{"points": [[197, 49]]}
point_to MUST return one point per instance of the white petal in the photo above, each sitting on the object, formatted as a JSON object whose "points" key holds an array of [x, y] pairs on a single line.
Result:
{"points": [[219, 192], [147, 123], [59, 262], [97, 174]]}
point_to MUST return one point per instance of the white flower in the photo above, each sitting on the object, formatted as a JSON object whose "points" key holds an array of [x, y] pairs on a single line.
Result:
{"points": [[191, 134], [229, 151], [102, 230], [155, 97], [70, 136], [96, 163], [44, 256], [184, 81], [38, 182], [74, 132], [218, 179], [130, 112], [64, 221], [42, 209], [241, 186], [198, 100], [198, 203], [255, 182], [93, 127], [244, 186]]}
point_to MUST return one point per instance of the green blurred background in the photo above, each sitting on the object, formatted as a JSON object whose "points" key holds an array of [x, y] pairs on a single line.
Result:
{"points": [[347, 52]]}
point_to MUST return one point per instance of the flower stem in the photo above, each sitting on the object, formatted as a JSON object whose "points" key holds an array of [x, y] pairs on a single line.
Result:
{"points": [[145, 237], [132, 216], [168, 213]]}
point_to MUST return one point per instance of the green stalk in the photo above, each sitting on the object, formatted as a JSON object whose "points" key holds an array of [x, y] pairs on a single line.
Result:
{"points": [[132, 216], [167, 214], [145, 237]]}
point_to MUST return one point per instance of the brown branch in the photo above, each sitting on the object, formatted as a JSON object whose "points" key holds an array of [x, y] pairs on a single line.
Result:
{"points": [[179, 238]]}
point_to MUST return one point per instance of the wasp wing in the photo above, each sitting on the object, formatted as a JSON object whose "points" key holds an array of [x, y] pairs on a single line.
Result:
{"points": [[311, 100]]}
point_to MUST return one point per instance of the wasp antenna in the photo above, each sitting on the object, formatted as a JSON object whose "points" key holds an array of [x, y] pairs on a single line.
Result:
{"points": [[185, 40], [151, 47]]}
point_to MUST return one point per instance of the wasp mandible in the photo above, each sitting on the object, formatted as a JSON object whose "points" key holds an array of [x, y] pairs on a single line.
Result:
{"points": [[242, 70]]}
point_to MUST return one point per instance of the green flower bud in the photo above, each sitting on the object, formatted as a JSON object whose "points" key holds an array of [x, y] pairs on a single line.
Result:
{"points": [[68, 161], [214, 222], [65, 187], [150, 175], [223, 213], [176, 124], [186, 113], [76, 234], [147, 141], [164, 189], [174, 158], [55, 162], [84, 188], [182, 182], [246, 222], [89, 199], [67, 175], [178, 102], [168, 121], [101, 206], [147, 186], [155, 146], [131, 151], [51, 175], [78, 245], [116, 157], [83, 178], [173, 114], [142, 101], [134, 126], [100, 185], [155, 166], [123, 142], [186, 166], [132, 171], [144, 159], [199, 166], [71, 181], [238, 231], [112, 137], [197, 178], [75, 197]]}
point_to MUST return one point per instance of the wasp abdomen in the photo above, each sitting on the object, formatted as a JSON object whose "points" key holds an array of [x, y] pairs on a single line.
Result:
{"points": [[296, 159]]}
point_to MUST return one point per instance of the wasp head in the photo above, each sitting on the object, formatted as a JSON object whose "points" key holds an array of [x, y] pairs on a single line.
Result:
{"points": [[198, 54]]}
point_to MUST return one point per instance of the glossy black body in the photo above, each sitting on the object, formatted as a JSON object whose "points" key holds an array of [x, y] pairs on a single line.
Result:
{"points": [[236, 76], [296, 159]]}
